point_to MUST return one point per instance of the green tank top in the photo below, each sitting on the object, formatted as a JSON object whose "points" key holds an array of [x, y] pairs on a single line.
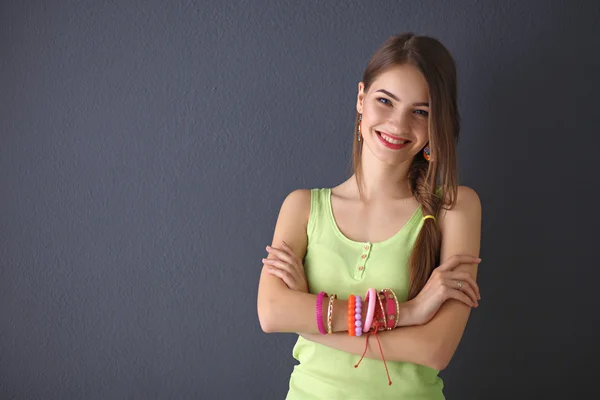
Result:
{"points": [[336, 264]]}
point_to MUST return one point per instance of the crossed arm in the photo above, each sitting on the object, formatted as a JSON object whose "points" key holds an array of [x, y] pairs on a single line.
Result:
{"points": [[432, 344]]}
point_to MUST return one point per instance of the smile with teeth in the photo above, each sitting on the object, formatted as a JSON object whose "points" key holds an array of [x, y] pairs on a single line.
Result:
{"points": [[390, 140]]}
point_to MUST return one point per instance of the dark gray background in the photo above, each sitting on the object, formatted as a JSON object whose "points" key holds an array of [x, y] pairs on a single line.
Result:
{"points": [[146, 148]]}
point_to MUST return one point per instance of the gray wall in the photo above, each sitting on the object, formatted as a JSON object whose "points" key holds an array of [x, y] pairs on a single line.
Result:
{"points": [[146, 147]]}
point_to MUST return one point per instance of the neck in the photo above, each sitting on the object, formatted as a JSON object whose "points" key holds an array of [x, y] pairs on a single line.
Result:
{"points": [[384, 181]]}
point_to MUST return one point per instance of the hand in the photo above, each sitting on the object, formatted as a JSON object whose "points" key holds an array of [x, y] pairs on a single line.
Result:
{"points": [[443, 284], [286, 266]]}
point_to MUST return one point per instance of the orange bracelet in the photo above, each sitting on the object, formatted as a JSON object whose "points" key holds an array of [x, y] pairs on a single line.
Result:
{"points": [[351, 318]]}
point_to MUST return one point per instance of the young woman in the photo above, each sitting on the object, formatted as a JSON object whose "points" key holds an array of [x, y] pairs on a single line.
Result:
{"points": [[399, 225]]}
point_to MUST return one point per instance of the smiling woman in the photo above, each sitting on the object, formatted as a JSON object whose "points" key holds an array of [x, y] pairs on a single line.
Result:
{"points": [[392, 252]]}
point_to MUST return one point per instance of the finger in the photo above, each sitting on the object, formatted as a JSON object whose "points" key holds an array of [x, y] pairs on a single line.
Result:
{"points": [[286, 268], [286, 254], [283, 275], [285, 265], [466, 289], [291, 252], [457, 259], [276, 263], [281, 254], [465, 277], [460, 296]]}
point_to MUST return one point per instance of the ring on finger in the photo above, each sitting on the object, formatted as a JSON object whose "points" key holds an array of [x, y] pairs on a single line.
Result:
{"points": [[460, 285]]}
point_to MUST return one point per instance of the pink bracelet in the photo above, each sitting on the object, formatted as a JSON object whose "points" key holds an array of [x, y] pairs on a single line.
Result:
{"points": [[370, 297], [391, 306], [320, 324]]}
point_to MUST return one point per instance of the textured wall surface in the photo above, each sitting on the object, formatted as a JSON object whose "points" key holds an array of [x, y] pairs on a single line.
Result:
{"points": [[145, 149]]}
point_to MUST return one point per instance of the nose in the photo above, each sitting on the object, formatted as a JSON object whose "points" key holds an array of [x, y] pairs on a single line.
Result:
{"points": [[401, 119]]}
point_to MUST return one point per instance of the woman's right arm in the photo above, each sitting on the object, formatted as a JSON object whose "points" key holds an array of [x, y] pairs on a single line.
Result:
{"points": [[281, 309]]}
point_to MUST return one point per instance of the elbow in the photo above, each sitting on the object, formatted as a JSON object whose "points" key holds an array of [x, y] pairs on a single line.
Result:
{"points": [[439, 364], [265, 317], [435, 362], [265, 323], [440, 358]]}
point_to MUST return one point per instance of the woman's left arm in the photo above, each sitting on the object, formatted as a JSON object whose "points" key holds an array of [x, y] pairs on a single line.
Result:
{"points": [[461, 234]]}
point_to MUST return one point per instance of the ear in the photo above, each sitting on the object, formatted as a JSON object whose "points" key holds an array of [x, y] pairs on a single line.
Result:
{"points": [[360, 97]]}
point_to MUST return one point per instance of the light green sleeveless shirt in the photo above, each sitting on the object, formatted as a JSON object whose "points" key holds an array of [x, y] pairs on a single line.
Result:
{"points": [[336, 264]]}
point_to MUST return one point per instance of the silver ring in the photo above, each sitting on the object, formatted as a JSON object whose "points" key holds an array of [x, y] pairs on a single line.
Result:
{"points": [[459, 284]]}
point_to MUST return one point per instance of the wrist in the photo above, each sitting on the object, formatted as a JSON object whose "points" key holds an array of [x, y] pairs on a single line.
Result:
{"points": [[340, 316], [407, 315]]}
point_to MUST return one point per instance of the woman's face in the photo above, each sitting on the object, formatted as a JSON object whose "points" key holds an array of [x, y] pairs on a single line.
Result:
{"points": [[396, 108]]}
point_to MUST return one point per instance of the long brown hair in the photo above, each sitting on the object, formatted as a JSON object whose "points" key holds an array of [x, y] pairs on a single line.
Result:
{"points": [[439, 173]]}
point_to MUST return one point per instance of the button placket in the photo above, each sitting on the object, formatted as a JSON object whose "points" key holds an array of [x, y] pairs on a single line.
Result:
{"points": [[362, 260]]}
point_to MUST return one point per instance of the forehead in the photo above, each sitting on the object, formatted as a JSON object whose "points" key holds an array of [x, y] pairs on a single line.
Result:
{"points": [[405, 81]]}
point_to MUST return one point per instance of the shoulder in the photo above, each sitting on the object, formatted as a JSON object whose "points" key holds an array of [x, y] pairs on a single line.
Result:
{"points": [[467, 201], [298, 199], [296, 206], [299, 195], [467, 198]]}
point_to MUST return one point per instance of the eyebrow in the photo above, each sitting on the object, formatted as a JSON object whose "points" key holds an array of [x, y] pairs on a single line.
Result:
{"points": [[393, 96]]}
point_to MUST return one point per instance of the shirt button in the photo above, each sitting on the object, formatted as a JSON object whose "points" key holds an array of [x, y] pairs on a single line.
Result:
{"points": [[361, 268], [367, 247], [364, 256]]}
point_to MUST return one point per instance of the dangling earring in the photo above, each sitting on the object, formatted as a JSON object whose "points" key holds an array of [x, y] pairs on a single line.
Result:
{"points": [[427, 153], [359, 124]]}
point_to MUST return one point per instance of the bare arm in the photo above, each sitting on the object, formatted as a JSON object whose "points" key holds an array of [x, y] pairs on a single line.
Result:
{"points": [[434, 343], [279, 308]]}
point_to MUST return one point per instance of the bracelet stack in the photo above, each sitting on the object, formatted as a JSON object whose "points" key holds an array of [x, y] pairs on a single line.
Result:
{"points": [[382, 312]]}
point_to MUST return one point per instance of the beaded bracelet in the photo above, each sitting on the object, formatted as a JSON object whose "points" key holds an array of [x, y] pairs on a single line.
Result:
{"points": [[330, 312], [351, 313], [319, 310], [358, 316]]}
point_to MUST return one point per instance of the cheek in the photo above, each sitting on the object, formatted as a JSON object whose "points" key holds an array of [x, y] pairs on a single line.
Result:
{"points": [[421, 126], [425, 130], [374, 114]]}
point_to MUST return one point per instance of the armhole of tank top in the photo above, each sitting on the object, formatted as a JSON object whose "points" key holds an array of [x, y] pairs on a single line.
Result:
{"points": [[310, 226]]}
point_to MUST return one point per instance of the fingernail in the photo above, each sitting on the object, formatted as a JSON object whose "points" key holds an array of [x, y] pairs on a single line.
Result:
{"points": [[268, 247], [478, 259]]}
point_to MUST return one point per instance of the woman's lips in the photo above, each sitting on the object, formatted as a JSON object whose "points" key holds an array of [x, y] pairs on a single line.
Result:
{"points": [[389, 145]]}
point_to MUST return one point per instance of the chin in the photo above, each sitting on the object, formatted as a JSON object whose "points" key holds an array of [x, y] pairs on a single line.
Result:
{"points": [[388, 156]]}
